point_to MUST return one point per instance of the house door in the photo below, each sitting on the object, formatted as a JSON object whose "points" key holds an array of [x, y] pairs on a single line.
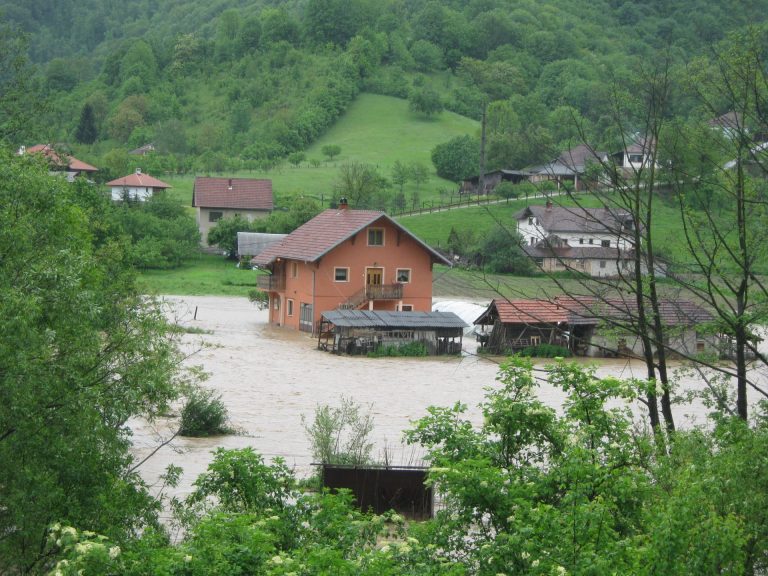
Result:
{"points": [[374, 276], [306, 319]]}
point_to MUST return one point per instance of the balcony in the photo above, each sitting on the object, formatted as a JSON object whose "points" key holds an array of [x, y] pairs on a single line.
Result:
{"points": [[270, 283], [374, 292]]}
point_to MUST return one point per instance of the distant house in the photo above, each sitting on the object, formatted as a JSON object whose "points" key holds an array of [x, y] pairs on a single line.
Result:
{"points": [[568, 168], [217, 198], [136, 186], [60, 162], [346, 259], [636, 156], [594, 241], [592, 327]]}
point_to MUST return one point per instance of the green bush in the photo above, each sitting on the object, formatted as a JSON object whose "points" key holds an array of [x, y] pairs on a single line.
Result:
{"points": [[204, 414], [411, 349], [545, 351]]}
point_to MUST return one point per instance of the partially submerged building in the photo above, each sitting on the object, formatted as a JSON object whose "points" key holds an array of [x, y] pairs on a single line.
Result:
{"points": [[589, 326], [363, 331]]}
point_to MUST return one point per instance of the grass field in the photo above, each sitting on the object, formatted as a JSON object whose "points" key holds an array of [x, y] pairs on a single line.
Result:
{"points": [[208, 274], [377, 130]]}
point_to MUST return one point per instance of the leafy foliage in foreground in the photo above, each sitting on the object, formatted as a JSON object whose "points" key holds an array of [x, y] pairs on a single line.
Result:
{"points": [[81, 352], [531, 491]]}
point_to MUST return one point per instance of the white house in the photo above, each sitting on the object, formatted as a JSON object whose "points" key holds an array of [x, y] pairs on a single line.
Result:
{"points": [[136, 186], [594, 241]]}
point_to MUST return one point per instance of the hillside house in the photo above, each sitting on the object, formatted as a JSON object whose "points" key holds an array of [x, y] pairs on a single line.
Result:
{"points": [[570, 168], [60, 162], [136, 186], [217, 198], [346, 259], [594, 241], [636, 156], [592, 327]]}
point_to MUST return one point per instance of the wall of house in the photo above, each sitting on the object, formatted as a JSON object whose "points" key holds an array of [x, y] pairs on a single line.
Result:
{"points": [[133, 192], [532, 233], [686, 342], [315, 283], [204, 223]]}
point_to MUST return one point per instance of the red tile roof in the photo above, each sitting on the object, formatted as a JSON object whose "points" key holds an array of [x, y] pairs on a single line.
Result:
{"points": [[139, 180], [70, 162], [588, 310], [243, 193], [527, 312], [326, 231]]}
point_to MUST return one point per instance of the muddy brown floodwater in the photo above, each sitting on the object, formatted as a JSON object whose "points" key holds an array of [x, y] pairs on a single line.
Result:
{"points": [[269, 377]]}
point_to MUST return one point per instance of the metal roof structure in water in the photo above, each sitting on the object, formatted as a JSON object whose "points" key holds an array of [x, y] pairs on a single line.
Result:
{"points": [[394, 320]]}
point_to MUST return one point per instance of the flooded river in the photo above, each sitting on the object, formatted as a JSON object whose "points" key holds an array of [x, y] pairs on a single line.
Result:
{"points": [[269, 377]]}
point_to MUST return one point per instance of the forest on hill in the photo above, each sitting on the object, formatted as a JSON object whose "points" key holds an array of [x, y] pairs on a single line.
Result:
{"points": [[234, 85]]}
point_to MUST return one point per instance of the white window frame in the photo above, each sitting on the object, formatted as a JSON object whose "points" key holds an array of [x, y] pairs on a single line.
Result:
{"points": [[336, 271]]}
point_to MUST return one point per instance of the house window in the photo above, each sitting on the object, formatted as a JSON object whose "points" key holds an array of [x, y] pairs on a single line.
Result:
{"points": [[533, 240], [539, 261], [290, 307], [276, 303], [403, 275], [591, 241], [605, 243], [602, 263], [581, 240], [341, 274], [636, 158], [535, 340], [406, 307], [375, 236], [215, 216], [294, 269], [530, 220]]}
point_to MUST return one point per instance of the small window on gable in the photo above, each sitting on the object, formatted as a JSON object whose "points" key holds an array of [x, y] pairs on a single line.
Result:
{"points": [[403, 275], [375, 236], [591, 240], [530, 220], [341, 274], [605, 243], [215, 216]]}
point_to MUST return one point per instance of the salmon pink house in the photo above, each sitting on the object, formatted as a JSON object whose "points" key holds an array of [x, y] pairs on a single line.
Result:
{"points": [[346, 259]]}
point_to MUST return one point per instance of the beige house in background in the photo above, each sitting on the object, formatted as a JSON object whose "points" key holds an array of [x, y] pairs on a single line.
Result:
{"points": [[217, 198]]}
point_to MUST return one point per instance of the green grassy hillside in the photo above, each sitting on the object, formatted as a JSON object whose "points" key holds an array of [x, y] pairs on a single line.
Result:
{"points": [[377, 130]]}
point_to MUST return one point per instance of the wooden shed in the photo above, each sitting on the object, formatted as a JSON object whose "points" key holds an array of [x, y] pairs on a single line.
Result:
{"points": [[362, 331]]}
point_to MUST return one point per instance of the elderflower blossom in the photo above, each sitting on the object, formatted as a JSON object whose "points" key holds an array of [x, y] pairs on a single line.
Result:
{"points": [[114, 552], [276, 560]]}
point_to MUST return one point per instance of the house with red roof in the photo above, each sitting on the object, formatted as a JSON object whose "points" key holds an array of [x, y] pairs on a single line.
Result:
{"points": [[589, 326], [60, 162], [346, 259], [217, 198], [136, 186]]}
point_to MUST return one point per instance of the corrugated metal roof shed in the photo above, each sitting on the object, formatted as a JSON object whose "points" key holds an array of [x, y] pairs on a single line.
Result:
{"points": [[394, 320]]}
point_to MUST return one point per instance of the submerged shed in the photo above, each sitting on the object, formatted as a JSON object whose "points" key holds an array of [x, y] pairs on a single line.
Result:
{"points": [[362, 331]]}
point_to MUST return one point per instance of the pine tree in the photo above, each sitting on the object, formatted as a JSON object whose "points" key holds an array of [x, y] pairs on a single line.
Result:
{"points": [[87, 133]]}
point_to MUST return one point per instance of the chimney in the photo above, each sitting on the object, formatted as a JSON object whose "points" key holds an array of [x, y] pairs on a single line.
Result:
{"points": [[549, 204], [138, 171], [343, 203], [230, 184]]}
